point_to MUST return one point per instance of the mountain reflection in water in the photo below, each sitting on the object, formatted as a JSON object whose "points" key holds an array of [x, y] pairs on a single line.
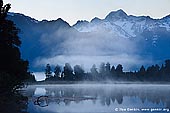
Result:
{"points": [[95, 98]]}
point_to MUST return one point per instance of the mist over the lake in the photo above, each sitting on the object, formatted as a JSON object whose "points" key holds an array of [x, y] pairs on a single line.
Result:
{"points": [[98, 98]]}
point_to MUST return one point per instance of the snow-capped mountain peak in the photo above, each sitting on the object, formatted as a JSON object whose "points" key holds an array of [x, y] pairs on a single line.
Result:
{"points": [[95, 20], [129, 25], [116, 15]]}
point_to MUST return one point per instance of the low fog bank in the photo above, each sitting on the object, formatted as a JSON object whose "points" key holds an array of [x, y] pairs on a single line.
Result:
{"points": [[129, 62], [69, 46], [95, 83]]}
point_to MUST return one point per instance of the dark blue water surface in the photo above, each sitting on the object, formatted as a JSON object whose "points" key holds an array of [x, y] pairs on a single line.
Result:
{"points": [[98, 98]]}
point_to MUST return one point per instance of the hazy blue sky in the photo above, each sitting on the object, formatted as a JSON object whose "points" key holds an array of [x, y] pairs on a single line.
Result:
{"points": [[73, 10]]}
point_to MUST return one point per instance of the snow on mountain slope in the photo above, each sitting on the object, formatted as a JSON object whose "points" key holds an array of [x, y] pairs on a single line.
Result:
{"points": [[119, 23]]}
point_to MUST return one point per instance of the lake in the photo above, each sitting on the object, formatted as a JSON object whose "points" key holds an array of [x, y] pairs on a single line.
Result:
{"points": [[98, 98]]}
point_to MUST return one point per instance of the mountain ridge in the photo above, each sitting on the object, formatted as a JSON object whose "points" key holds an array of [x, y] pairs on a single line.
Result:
{"points": [[142, 35]]}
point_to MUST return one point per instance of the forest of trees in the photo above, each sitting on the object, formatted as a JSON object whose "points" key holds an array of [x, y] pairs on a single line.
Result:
{"points": [[107, 72], [13, 69]]}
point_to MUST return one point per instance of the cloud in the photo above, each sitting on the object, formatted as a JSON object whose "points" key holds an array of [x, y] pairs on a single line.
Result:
{"points": [[69, 46]]}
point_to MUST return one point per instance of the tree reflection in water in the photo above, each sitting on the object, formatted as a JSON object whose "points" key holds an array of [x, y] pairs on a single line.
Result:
{"points": [[41, 101], [106, 95], [13, 103]]}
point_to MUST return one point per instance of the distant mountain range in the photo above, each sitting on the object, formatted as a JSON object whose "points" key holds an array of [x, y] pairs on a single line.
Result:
{"points": [[118, 34]]}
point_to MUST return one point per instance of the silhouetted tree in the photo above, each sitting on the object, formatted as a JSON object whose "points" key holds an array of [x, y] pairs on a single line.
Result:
{"points": [[57, 71], [119, 68], [79, 72], [31, 78], [167, 66], [48, 71], [119, 71], [157, 69], [94, 69], [4, 10], [94, 72], [1, 4], [13, 103], [162, 72], [13, 69], [68, 72], [152, 72], [142, 70], [113, 70], [107, 68], [102, 70], [141, 73]]}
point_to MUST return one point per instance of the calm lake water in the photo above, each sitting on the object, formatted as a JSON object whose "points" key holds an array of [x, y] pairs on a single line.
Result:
{"points": [[98, 98]]}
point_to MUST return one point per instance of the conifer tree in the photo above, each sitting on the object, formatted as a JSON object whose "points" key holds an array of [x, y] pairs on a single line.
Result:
{"points": [[48, 71], [13, 69]]}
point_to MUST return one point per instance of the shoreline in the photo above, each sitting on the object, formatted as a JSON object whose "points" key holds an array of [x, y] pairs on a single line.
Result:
{"points": [[93, 82]]}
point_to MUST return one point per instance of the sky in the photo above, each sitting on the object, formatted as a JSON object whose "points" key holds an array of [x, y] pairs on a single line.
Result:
{"points": [[73, 10]]}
